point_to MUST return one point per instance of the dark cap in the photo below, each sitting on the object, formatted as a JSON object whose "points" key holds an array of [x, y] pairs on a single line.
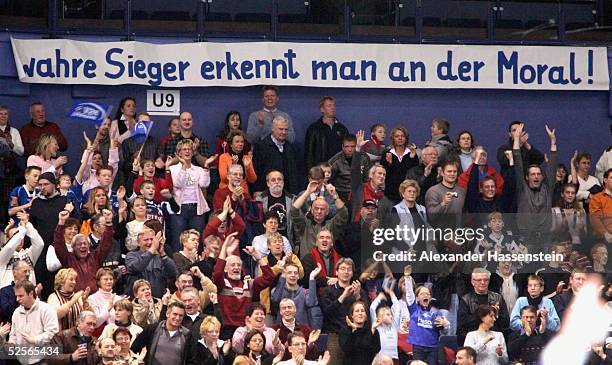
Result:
{"points": [[369, 204], [48, 176]]}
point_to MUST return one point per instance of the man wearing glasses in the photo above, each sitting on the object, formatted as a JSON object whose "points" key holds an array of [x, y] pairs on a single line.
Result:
{"points": [[481, 294]]}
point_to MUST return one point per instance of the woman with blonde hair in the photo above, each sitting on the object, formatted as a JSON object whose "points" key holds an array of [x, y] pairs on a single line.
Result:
{"points": [[66, 302], [209, 349], [45, 155]]}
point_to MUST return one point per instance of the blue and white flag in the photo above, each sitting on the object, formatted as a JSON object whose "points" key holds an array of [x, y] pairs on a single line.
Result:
{"points": [[141, 130], [89, 112]]}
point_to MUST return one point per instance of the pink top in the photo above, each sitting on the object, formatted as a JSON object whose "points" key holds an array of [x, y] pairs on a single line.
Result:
{"points": [[35, 160]]}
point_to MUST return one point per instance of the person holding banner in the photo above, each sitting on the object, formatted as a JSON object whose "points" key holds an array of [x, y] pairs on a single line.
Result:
{"points": [[141, 145], [31, 132], [125, 119], [260, 122]]}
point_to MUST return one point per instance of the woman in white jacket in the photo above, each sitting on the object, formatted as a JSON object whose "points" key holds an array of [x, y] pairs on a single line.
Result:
{"points": [[13, 250]]}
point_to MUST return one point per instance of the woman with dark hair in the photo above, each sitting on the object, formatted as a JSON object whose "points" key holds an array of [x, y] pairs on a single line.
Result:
{"points": [[568, 215], [123, 340], [400, 157], [236, 154], [255, 348], [233, 122], [561, 178], [489, 345], [465, 145], [359, 340], [125, 119]]}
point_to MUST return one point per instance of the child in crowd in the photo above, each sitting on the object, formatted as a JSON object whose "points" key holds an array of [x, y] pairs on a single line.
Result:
{"points": [[394, 319], [21, 196], [427, 323], [375, 148]]}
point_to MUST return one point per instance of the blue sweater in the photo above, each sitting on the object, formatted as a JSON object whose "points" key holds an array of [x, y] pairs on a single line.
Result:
{"points": [[423, 331], [552, 320]]}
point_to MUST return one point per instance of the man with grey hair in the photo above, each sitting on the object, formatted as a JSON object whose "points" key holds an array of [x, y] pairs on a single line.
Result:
{"points": [[85, 262], [308, 225], [150, 262], [260, 122], [77, 344], [276, 152], [480, 294], [426, 173]]}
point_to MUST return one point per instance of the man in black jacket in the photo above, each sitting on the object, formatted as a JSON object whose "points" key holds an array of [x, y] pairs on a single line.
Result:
{"points": [[466, 318], [324, 137], [527, 344], [44, 216], [167, 340], [275, 152]]}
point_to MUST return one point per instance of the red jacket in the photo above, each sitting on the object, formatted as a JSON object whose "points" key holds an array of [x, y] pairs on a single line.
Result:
{"points": [[234, 303], [212, 228], [30, 133], [464, 178], [87, 267], [160, 184]]}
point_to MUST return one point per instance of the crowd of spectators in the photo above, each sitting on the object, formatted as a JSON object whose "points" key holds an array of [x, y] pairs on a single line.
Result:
{"points": [[171, 251]]}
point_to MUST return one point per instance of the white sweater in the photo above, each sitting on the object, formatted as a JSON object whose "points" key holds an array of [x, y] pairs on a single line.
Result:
{"points": [[9, 251], [40, 321]]}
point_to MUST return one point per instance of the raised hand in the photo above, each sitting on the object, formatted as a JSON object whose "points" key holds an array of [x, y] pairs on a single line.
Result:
{"points": [[360, 139], [196, 271], [251, 251], [227, 345], [313, 186], [389, 157], [87, 140], [210, 160], [261, 116], [315, 272], [214, 299], [376, 324], [60, 161], [518, 132], [278, 358], [23, 217], [351, 324], [247, 159], [62, 216], [166, 297], [121, 192], [108, 216], [233, 246], [407, 270], [324, 360], [551, 133], [313, 336], [5, 329], [227, 204]]}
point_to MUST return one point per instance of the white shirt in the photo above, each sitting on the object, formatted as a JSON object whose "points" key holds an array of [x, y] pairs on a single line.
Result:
{"points": [[16, 140]]}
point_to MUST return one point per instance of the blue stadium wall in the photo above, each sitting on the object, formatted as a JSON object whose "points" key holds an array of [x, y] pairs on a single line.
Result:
{"points": [[581, 118]]}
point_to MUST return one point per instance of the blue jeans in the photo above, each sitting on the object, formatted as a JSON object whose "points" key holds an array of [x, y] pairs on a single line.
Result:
{"points": [[427, 354], [187, 219]]}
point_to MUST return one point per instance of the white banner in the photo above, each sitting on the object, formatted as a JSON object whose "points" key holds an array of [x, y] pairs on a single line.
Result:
{"points": [[61, 61]]}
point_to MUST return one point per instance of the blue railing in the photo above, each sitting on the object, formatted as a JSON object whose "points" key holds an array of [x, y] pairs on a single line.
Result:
{"points": [[409, 21]]}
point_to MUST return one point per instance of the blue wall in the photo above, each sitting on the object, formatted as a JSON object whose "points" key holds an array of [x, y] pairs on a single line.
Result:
{"points": [[582, 119]]}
